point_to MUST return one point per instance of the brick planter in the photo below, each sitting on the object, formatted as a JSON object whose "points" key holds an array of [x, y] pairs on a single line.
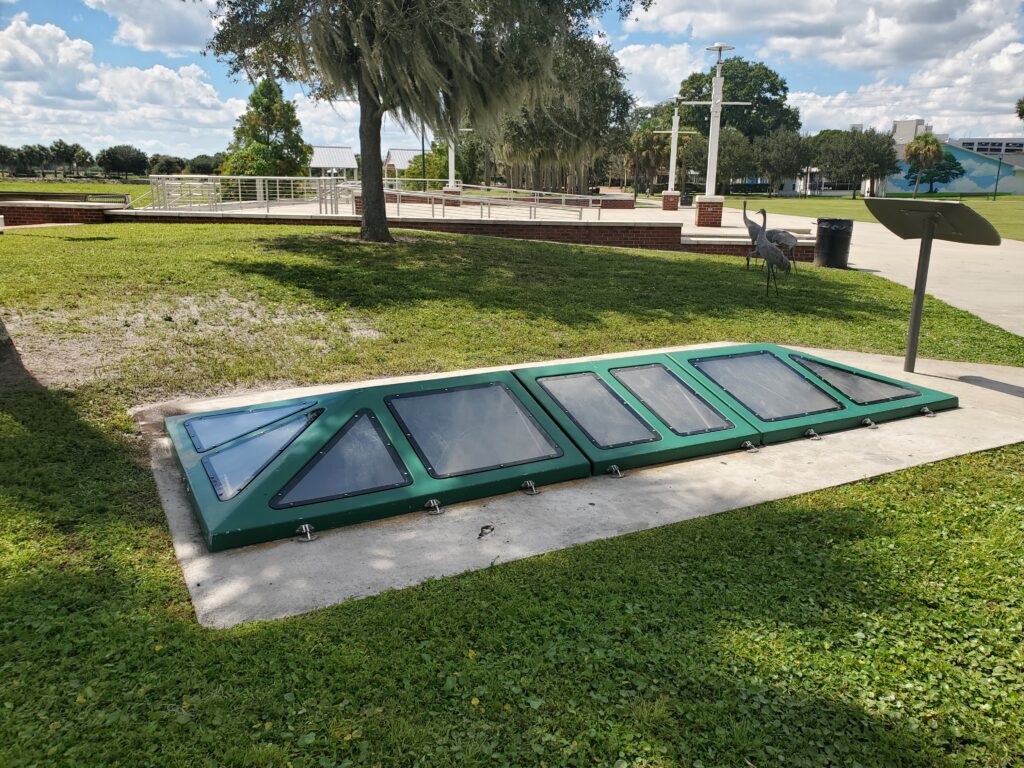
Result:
{"points": [[709, 211], [452, 196], [18, 213]]}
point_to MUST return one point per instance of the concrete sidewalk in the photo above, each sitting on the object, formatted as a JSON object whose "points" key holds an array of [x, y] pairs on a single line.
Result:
{"points": [[285, 578], [986, 281]]}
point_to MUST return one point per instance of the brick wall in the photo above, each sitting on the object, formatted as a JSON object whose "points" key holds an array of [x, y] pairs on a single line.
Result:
{"points": [[652, 236], [802, 253], [709, 214], [20, 215]]}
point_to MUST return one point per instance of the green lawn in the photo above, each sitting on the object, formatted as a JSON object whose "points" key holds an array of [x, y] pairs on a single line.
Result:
{"points": [[92, 187], [876, 624], [1006, 213]]}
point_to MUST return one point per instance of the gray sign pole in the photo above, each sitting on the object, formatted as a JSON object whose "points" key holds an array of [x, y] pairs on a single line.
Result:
{"points": [[929, 221], [917, 308]]}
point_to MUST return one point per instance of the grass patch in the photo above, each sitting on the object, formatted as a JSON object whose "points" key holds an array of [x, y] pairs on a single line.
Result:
{"points": [[1006, 213], [875, 624]]}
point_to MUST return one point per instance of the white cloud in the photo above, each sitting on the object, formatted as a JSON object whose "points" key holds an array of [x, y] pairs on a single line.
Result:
{"points": [[655, 71], [861, 35], [170, 26], [963, 56], [972, 92], [51, 87]]}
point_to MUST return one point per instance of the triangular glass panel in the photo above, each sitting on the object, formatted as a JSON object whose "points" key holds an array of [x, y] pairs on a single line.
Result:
{"points": [[358, 459], [232, 469], [671, 400], [862, 389], [208, 432]]}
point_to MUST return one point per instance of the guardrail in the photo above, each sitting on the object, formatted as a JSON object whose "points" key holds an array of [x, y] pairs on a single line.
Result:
{"points": [[337, 196]]}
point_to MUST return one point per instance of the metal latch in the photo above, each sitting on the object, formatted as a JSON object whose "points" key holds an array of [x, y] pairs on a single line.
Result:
{"points": [[615, 472], [305, 533], [810, 433], [529, 488], [433, 507]]}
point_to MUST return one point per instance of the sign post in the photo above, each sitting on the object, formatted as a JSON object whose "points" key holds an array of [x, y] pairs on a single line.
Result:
{"points": [[929, 220]]}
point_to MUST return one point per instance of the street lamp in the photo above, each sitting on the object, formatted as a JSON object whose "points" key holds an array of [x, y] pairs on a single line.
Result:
{"points": [[451, 158], [709, 207]]}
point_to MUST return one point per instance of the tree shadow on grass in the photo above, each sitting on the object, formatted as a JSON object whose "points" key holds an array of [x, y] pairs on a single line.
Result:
{"points": [[673, 645], [568, 284]]}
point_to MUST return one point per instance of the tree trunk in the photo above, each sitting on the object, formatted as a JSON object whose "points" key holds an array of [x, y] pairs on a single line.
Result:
{"points": [[917, 184], [375, 217]]}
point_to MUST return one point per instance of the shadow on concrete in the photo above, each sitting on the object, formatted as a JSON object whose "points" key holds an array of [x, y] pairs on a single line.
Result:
{"points": [[994, 385]]}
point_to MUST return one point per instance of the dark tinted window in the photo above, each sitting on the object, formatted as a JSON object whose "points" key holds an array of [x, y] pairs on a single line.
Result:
{"points": [[768, 387], [671, 400], [461, 430], [597, 410], [358, 459]]}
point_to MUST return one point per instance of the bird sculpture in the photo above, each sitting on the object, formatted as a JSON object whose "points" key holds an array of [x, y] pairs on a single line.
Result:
{"points": [[752, 229], [780, 237], [772, 255]]}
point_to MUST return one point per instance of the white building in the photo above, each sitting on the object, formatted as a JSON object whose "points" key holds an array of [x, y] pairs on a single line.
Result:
{"points": [[397, 160], [333, 161], [1010, 148]]}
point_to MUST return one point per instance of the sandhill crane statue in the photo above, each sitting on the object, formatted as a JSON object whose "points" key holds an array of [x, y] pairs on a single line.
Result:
{"points": [[752, 229], [772, 255], [780, 237]]}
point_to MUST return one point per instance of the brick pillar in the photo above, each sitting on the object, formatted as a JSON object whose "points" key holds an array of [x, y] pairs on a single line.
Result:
{"points": [[709, 210], [670, 201], [359, 203], [452, 195]]}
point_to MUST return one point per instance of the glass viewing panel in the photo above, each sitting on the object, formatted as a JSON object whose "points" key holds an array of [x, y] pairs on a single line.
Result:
{"points": [[863, 390], [211, 431], [765, 385], [461, 430], [232, 469], [358, 459], [606, 419], [671, 399]]}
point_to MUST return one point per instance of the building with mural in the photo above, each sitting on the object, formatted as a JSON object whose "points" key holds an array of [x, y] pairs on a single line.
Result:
{"points": [[971, 167]]}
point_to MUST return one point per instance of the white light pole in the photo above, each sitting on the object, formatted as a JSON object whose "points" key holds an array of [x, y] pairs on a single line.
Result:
{"points": [[451, 158], [709, 206], [670, 198]]}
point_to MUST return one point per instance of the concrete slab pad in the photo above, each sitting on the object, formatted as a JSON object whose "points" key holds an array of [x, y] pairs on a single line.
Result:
{"points": [[286, 578]]}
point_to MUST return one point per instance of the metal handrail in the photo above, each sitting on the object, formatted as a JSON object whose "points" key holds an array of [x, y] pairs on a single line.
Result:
{"points": [[334, 196]]}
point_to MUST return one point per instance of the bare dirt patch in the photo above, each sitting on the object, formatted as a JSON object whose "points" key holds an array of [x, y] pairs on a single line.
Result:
{"points": [[70, 347]]}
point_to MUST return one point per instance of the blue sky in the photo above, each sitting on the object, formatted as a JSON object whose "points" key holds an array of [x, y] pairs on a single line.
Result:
{"points": [[111, 71]]}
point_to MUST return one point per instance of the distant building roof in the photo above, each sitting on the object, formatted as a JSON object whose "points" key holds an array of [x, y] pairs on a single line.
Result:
{"points": [[400, 158], [333, 157]]}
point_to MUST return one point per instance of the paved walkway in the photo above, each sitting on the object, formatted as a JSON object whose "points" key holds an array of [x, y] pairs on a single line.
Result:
{"points": [[986, 281]]}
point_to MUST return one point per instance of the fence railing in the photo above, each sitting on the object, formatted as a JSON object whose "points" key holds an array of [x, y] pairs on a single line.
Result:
{"points": [[333, 196]]}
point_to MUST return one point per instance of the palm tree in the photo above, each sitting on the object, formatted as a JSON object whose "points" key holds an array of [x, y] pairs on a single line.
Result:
{"points": [[923, 152]]}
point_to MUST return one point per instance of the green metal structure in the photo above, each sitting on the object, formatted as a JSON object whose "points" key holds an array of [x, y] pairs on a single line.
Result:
{"points": [[306, 464], [385, 460], [635, 411], [787, 394]]}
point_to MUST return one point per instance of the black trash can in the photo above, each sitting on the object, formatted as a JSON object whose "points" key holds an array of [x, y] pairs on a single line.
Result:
{"points": [[686, 200], [832, 247]]}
